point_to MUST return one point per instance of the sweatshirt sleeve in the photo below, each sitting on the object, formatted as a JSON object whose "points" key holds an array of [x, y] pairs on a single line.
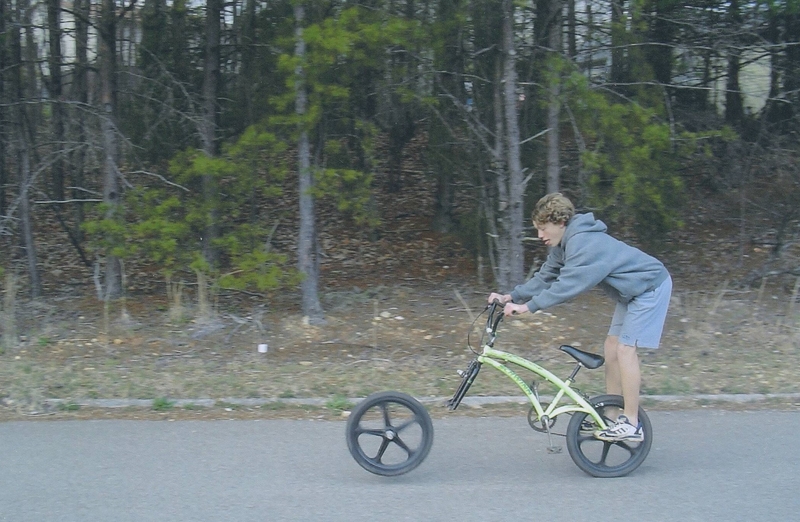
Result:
{"points": [[583, 269], [542, 279]]}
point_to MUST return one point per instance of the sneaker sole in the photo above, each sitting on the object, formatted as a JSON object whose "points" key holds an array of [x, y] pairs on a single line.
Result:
{"points": [[620, 439]]}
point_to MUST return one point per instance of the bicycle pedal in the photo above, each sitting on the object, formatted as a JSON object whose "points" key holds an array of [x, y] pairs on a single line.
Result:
{"points": [[554, 449]]}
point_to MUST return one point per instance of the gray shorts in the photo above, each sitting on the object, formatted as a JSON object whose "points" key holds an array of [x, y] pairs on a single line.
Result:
{"points": [[641, 321]]}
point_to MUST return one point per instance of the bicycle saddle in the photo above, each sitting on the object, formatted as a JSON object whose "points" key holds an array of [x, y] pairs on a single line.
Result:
{"points": [[589, 360]]}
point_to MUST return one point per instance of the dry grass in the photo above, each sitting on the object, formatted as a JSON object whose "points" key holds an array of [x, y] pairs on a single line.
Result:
{"points": [[409, 338]]}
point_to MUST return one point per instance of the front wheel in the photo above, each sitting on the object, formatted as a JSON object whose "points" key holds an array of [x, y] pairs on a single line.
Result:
{"points": [[606, 459], [389, 433]]}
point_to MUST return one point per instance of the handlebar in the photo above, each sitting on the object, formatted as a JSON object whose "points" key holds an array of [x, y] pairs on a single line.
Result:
{"points": [[495, 310], [492, 322]]}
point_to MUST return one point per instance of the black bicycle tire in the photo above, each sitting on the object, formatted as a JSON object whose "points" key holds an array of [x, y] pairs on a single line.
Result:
{"points": [[421, 416], [575, 442]]}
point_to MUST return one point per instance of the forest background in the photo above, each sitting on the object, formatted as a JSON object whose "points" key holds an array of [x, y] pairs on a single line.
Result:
{"points": [[346, 181]]}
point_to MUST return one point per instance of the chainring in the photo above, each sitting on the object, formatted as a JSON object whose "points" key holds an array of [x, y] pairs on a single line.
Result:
{"points": [[533, 420]]}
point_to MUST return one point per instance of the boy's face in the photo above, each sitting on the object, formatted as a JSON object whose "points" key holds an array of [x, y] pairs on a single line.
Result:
{"points": [[551, 233]]}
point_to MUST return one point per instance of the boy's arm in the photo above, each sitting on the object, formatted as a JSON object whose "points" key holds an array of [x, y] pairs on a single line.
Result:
{"points": [[542, 279], [584, 269]]}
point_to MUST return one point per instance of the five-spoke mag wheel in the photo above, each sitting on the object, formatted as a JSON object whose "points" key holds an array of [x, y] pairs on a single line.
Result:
{"points": [[389, 433], [606, 459]]}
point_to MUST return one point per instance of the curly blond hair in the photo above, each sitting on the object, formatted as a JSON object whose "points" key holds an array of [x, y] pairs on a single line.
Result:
{"points": [[553, 208]]}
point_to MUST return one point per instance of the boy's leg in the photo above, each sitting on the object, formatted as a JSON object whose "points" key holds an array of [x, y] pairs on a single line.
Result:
{"points": [[631, 380], [613, 382], [638, 323], [623, 375]]}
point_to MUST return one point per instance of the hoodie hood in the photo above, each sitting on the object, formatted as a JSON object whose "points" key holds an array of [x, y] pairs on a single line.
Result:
{"points": [[579, 224]]}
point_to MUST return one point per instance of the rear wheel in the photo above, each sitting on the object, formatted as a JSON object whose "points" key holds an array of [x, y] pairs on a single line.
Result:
{"points": [[389, 433], [606, 459]]}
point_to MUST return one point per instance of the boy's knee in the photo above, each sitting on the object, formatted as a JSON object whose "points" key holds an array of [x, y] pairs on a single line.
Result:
{"points": [[610, 348], [626, 354]]}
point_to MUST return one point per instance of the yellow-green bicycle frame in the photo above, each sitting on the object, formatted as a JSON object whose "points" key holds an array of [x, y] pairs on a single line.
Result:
{"points": [[494, 357]]}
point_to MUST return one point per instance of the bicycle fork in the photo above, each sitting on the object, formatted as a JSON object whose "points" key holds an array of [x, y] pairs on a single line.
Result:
{"points": [[467, 378]]}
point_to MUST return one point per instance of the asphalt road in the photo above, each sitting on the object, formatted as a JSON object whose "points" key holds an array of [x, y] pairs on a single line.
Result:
{"points": [[705, 465]]}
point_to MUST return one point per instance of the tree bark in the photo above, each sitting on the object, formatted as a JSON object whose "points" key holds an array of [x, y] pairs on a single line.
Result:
{"points": [[249, 54], [617, 41], [734, 106], [58, 122], [81, 95], [500, 202], [772, 36], [554, 41], [3, 136], [572, 40], [791, 62], [56, 93], [211, 77], [307, 258], [31, 64], [26, 220], [208, 129], [512, 267], [24, 140], [589, 39], [662, 35], [108, 99], [495, 106]]}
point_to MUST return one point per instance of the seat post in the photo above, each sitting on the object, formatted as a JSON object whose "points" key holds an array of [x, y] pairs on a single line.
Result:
{"points": [[575, 372]]}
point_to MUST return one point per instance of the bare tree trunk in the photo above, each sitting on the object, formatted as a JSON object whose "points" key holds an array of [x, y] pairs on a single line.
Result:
{"points": [[589, 39], [31, 63], [58, 121], [56, 92], [249, 54], [617, 34], [307, 258], [108, 94], [9, 338], [791, 63], [499, 223], [3, 136], [24, 152], [209, 123], [81, 95], [502, 186], [554, 40], [25, 218], [734, 107], [772, 36], [513, 222], [572, 40], [662, 34], [706, 83]]}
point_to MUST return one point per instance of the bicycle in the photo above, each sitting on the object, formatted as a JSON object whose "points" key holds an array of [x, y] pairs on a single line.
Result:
{"points": [[390, 433]]}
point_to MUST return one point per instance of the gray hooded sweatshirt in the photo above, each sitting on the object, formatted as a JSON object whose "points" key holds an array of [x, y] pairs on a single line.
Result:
{"points": [[585, 258]]}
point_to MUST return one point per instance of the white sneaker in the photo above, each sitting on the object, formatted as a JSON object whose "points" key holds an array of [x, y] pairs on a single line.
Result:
{"points": [[621, 431]]}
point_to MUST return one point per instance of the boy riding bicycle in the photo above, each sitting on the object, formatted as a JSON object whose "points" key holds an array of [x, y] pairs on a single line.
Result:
{"points": [[582, 255]]}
